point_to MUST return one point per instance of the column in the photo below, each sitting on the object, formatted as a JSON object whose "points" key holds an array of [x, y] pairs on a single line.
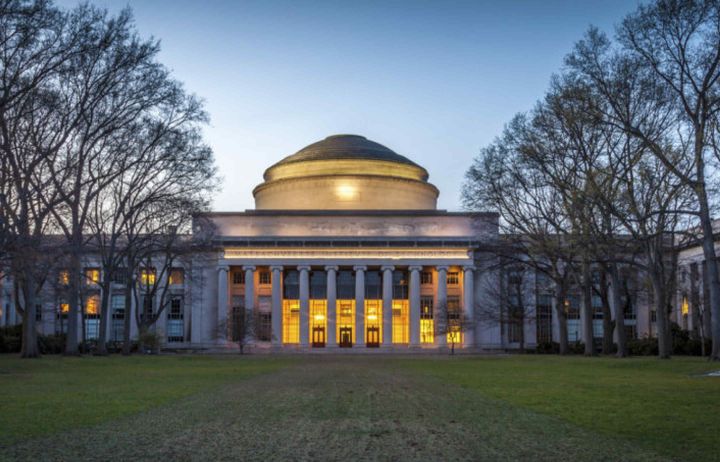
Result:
{"points": [[276, 315], [469, 306], [387, 305], [415, 305], [249, 296], [440, 314], [304, 305], [360, 305], [331, 272], [222, 306]]}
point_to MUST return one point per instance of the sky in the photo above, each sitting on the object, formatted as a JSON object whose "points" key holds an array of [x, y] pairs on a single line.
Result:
{"points": [[434, 81]]}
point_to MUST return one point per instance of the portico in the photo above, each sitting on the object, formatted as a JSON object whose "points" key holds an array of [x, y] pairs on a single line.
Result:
{"points": [[346, 250]]}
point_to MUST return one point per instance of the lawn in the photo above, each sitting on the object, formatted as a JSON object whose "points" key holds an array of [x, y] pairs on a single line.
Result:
{"points": [[357, 408], [668, 406]]}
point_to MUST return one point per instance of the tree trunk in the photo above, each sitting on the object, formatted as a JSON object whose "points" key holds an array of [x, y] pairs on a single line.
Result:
{"points": [[104, 314], [71, 343], [128, 311], [708, 242], [660, 316], [587, 308], [607, 316], [619, 311], [562, 320], [29, 347]]}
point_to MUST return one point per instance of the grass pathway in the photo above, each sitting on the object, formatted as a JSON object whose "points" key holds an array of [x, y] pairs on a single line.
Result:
{"points": [[333, 408]]}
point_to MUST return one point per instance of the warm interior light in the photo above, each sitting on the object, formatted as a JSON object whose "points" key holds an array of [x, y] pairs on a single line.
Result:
{"points": [[685, 307], [319, 317], [346, 192], [372, 317]]}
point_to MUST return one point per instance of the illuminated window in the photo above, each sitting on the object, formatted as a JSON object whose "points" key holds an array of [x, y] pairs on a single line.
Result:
{"points": [[345, 322], [147, 276], [400, 321], [92, 305], [291, 321], [177, 276], [92, 275], [264, 277], [453, 278], [373, 322], [64, 308], [685, 308], [454, 320], [92, 317], [238, 277], [318, 322], [426, 277], [427, 324], [64, 277]]}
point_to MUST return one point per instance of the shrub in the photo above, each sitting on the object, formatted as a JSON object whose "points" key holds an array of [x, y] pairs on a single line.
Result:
{"points": [[51, 344], [643, 346], [11, 339], [149, 342]]}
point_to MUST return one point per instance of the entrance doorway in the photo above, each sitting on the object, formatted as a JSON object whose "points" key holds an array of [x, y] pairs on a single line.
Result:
{"points": [[318, 337], [373, 337], [345, 337]]}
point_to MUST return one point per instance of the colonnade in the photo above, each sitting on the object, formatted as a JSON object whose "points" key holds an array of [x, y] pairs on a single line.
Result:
{"points": [[331, 299]]}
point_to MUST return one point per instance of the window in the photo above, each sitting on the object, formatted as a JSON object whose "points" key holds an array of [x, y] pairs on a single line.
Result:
{"points": [[345, 285], [119, 276], [291, 285], [147, 276], [373, 285], [400, 321], [685, 307], [572, 307], [264, 277], [175, 322], [92, 317], [62, 315], [263, 319], [597, 306], [147, 311], [238, 277], [399, 285], [177, 276], [92, 305], [653, 316], [291, 321], [237, 317], [453, 278], [544, 319], [426, 277], [64, 277], [318, 285], [264, 327], [92, 275], [117, 308]]}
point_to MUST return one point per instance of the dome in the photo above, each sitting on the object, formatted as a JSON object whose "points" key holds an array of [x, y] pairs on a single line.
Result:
{"points": [[345, 172]]}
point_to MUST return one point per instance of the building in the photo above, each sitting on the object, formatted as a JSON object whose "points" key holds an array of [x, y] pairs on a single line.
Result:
{"points": [[345, 249]]}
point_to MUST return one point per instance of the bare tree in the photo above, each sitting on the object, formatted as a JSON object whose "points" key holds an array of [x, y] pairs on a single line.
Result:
{"points": [[675, 45]]}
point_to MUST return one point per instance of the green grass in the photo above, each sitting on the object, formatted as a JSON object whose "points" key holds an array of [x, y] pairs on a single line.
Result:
{"points": [[358, 408], [667, 406], [52, 394]]}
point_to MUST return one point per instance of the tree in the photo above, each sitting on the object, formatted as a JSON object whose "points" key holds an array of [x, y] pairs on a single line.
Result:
{"points": [[517, 284], [675, 45]]}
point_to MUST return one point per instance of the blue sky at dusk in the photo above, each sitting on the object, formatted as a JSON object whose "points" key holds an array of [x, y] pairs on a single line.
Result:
{"points": [[434, 81]]}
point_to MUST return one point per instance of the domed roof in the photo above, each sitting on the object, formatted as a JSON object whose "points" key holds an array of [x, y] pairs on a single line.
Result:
{"points": [[346, 147], [345, 172]]}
